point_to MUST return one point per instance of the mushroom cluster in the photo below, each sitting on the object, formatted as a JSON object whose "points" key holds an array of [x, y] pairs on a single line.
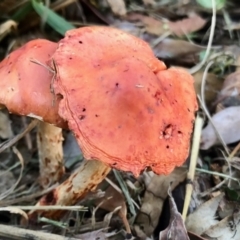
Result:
{"points": [[126, 109]]}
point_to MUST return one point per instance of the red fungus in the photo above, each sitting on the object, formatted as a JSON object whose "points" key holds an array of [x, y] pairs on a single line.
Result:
{"points": [[25, 85], [125, 109], [25, 90]]}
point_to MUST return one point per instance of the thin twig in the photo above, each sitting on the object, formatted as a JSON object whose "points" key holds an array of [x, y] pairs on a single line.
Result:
{"points": [[23, 234], [54, 207], [125, 191], [210, 40], [204, 107], [193, 163], [15, 139], [206, 193], [217, 174], [210, 120], [27, 198], [10, 190], [53, 70]]}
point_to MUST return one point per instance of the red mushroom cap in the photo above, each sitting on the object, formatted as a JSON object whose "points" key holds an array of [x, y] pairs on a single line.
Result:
{"points": [[25, 86], [123, 107]]}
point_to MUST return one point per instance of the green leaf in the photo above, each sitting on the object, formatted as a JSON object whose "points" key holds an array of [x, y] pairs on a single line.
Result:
{"points": [[208, 4], [232, 194], [22, 12], [58, 23]]}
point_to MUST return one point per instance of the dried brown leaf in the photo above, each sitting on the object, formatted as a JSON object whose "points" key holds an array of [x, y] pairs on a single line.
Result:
{"points": [[212, 87], [176, 228], [170, 48], [227, 122], [152, 25], [227, 228], [113, 199], [226, 207], [230, 89], [118, 7], [188, 25], [204, 217], [160, 27], [156, 193]]}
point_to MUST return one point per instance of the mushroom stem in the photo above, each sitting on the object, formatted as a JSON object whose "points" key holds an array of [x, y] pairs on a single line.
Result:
{"points": [[86, 178], [50, 150]]}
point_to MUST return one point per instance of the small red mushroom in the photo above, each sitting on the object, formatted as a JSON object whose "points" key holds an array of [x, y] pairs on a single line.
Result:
{"points": [[25, 90], [24, 85]]}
